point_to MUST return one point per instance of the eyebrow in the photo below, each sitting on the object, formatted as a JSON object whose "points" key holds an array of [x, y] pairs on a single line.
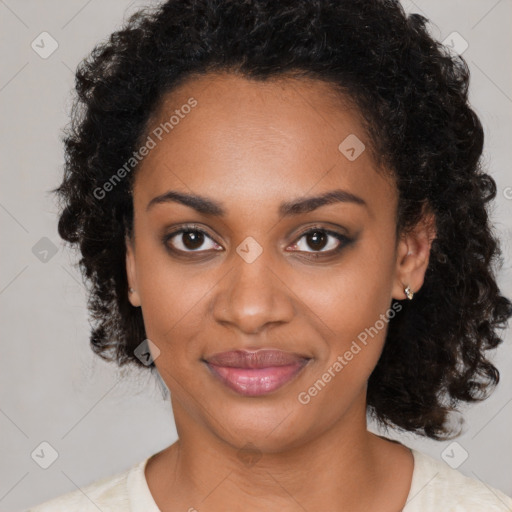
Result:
{"points": [[298, 206]]}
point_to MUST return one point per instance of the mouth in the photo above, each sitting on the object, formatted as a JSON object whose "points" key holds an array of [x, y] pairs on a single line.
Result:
{"points": [[255, 373]]}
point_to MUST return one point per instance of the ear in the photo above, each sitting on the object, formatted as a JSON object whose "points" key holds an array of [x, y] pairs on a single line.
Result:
{"points": [[412, 256], [131, 273]]}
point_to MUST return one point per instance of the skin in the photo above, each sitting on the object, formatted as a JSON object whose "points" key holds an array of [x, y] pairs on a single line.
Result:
{"points": [[251, 146]]}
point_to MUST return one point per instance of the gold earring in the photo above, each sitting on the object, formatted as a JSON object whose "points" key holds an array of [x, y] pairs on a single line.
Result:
{"points": [[408, 292]]}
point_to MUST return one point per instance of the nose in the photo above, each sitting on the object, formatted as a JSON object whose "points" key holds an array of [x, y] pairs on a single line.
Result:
{"points": [[253, 296]]}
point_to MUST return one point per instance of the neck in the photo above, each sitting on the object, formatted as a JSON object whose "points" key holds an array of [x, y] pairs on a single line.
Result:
{"points": [[344, 468]]}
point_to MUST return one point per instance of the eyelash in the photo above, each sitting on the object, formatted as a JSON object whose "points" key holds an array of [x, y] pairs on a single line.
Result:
{"points": [[344, 240]]}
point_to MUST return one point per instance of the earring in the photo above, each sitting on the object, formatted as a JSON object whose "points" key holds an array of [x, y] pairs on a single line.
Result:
{"points": [[131, 290], [408, 292]]}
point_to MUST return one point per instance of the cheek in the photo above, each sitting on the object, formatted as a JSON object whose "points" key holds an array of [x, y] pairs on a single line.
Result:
{"points": [[173, 297], [351, 296], [353, 303]]}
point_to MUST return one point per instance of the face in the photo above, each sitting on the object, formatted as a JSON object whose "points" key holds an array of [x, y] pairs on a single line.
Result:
{"points": [[244, 269]]}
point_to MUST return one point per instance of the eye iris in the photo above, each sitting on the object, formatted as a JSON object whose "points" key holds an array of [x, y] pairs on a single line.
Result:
{"points": [[196, 239], [319, 239]]}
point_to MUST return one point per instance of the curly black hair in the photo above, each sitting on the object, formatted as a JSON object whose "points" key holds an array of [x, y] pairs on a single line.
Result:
{"points": [[412, 93]]}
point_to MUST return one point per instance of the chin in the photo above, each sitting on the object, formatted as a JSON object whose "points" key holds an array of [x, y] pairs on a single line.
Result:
{"points": [[271, 428]]}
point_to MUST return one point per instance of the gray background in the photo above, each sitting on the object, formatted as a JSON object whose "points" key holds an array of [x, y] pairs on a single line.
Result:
{"points": [[101, 420]]}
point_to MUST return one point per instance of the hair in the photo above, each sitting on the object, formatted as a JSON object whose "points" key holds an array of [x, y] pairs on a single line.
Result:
{"points": [[412, 94]]}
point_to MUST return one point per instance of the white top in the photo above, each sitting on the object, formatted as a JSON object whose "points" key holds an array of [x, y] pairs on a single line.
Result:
{"points": [[435, 487]]}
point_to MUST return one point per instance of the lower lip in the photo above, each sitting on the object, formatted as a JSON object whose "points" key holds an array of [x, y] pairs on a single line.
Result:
{"points": [[256, 381]]}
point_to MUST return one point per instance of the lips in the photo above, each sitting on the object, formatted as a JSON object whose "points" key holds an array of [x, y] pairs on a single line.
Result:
{"points": [[255, 373], [262, 358]]}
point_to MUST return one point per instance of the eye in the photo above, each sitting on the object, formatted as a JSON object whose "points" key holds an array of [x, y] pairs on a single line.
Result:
{"points": [[321, 240], [189, 239]]}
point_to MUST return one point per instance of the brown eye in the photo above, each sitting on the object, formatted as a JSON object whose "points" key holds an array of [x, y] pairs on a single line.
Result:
{"points": [[317, 240], [193, 239], [321, 241], [189, 240]]}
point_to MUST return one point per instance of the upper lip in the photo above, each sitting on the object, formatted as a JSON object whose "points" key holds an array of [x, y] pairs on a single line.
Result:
{"points": [[262, 358]]}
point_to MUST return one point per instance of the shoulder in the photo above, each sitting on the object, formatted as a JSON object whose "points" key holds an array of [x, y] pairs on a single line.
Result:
{"points": [[437, 486], [109, 494]]}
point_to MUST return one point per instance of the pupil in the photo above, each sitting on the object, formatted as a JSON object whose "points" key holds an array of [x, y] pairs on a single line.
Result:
{"points": [[317, 236], [195, 237]]}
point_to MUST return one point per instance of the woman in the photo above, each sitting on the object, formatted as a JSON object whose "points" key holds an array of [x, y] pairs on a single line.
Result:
{"points": [[280, 208]]}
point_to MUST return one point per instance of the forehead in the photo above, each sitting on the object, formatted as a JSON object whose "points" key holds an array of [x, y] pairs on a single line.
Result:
{"points": [[257, 140]]}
